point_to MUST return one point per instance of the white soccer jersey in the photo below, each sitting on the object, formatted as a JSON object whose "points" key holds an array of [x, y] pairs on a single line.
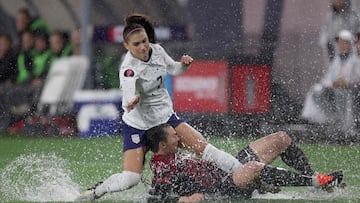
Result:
{"points": [[146, 79]]}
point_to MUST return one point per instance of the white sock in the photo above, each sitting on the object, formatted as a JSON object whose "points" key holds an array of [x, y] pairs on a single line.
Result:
{"points": [[118, 182], [223, 160]]}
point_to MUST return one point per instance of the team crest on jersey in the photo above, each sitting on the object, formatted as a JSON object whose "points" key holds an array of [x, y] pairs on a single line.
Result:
{"points": [[135, 138], [129, 73]]}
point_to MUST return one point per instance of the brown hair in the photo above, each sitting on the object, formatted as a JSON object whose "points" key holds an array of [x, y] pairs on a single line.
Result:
{"points": [[135, 21], [155, 135]]}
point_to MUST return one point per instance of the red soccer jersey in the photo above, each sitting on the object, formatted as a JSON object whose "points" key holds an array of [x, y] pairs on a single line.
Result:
{"points": [[166, 167], [182, 174]]}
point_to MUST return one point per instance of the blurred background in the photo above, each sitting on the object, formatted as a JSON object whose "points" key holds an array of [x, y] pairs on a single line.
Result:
{"points": [[272, 45]]}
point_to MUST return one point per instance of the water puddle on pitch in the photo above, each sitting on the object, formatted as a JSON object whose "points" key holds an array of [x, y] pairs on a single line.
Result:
{"points": [[48, 178]]}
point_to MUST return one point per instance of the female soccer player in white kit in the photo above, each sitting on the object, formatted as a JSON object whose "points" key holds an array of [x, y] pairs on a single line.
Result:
{"points": [[146, 104]]}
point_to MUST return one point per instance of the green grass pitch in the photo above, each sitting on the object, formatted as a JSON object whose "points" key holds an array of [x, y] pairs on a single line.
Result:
{"points": [[93, 159]]}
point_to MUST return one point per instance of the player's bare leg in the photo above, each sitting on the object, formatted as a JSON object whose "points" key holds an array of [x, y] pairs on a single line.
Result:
{"points": [[268, 148], [280, 144], [193, 140]]}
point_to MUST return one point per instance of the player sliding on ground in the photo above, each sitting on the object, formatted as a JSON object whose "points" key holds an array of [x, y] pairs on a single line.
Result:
{"points": [[191, 178]]}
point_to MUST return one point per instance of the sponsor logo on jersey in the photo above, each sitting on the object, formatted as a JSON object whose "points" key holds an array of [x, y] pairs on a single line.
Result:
{"points": [[129, 73], [135, 138]]}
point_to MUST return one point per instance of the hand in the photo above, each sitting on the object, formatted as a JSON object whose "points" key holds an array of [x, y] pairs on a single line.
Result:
{"points": [[132, 104], [197, 197], [186, 59]]}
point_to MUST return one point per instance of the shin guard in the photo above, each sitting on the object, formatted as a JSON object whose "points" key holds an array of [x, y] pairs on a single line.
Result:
{"points": [[281, 177], [294, 157]]}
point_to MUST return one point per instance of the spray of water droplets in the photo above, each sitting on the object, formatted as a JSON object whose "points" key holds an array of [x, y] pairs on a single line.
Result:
{"points": [[38, 177], [47, 177]]}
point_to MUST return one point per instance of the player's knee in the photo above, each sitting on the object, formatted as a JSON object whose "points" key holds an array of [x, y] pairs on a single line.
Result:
{"points": [[254, 166], [245, 175], [284, 138]]}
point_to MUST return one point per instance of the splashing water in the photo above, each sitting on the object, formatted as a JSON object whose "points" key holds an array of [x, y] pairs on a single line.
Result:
{"points": [[47, 177], [38, 177]]}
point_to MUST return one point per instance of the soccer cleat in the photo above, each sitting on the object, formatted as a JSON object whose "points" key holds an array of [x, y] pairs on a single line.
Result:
{"points": [[89, 194], [329, 181]]}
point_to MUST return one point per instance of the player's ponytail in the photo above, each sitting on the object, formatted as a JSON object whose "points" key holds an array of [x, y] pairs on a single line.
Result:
{"points": [[144, 21]]}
